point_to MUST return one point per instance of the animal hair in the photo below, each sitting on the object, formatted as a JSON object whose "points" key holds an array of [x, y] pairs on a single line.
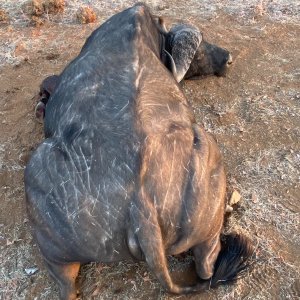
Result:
{"points": [[233, 259]]}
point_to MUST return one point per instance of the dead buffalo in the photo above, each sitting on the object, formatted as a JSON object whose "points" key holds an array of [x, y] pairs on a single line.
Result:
{"points": [[125, 173]]}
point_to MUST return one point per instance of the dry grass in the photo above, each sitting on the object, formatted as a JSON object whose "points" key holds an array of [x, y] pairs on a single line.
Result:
{"points": [[4, 18], [39, 12], [86, 15], [254, 113]]}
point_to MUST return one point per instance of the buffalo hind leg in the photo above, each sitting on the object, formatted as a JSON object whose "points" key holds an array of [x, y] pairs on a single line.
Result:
{"points": [[148, 234], [206, 255], [65, 275]]}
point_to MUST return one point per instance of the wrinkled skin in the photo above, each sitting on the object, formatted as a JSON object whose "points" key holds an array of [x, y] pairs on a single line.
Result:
{"points": [[125, 173]]}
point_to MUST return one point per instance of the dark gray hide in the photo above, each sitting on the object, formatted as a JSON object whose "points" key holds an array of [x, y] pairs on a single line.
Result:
{"points": [[182, 51], [124, 171]]}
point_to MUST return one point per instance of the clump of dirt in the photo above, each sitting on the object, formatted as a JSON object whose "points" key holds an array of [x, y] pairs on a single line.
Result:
{"points": [[4, 18], [54, 6], [85, 15], [37, 21], [37, 10], [34, 8]]}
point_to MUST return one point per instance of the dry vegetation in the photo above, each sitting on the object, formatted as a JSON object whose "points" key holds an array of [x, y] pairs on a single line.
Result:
{"points": [[254, 113], [86, 15], [3, 16]]}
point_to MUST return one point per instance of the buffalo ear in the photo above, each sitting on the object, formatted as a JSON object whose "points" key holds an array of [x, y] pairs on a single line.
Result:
{"points": [[183, 41]]}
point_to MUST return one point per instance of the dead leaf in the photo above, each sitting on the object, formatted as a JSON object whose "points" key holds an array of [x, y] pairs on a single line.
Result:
{"points": [[235, 198]]}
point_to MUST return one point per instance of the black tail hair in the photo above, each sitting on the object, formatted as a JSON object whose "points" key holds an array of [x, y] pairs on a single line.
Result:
{"points": [[233, 259]]}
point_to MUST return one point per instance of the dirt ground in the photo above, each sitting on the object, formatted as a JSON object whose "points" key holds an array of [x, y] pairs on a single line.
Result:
{"points": [[254, 112]]}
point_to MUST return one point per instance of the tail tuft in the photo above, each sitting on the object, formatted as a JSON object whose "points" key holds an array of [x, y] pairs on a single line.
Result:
{"points": [[233, 260]]}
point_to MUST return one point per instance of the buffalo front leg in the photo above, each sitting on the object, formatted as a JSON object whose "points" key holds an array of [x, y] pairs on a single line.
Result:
{"points": [[206, 255], [65, 275]]}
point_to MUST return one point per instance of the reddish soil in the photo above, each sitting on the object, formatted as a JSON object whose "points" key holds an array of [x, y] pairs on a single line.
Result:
{"points": [[254, 112]]}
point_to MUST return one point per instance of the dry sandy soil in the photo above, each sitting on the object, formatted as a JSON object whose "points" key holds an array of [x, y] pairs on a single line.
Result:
{"points": [[254, 113]]}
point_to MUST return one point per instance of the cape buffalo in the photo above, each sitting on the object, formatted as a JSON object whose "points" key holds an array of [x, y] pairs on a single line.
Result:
{"points": [[125, 173]]}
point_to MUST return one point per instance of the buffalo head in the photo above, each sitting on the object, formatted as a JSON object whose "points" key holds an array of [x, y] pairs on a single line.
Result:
{"points": [[193, 56]]}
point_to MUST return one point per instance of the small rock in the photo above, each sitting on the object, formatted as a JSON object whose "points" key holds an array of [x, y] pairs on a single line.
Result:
{"points": [[254, 198], [31, 271], [96, 292], [86, 15], [228, 209], [235, 198], [8, 242]]}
